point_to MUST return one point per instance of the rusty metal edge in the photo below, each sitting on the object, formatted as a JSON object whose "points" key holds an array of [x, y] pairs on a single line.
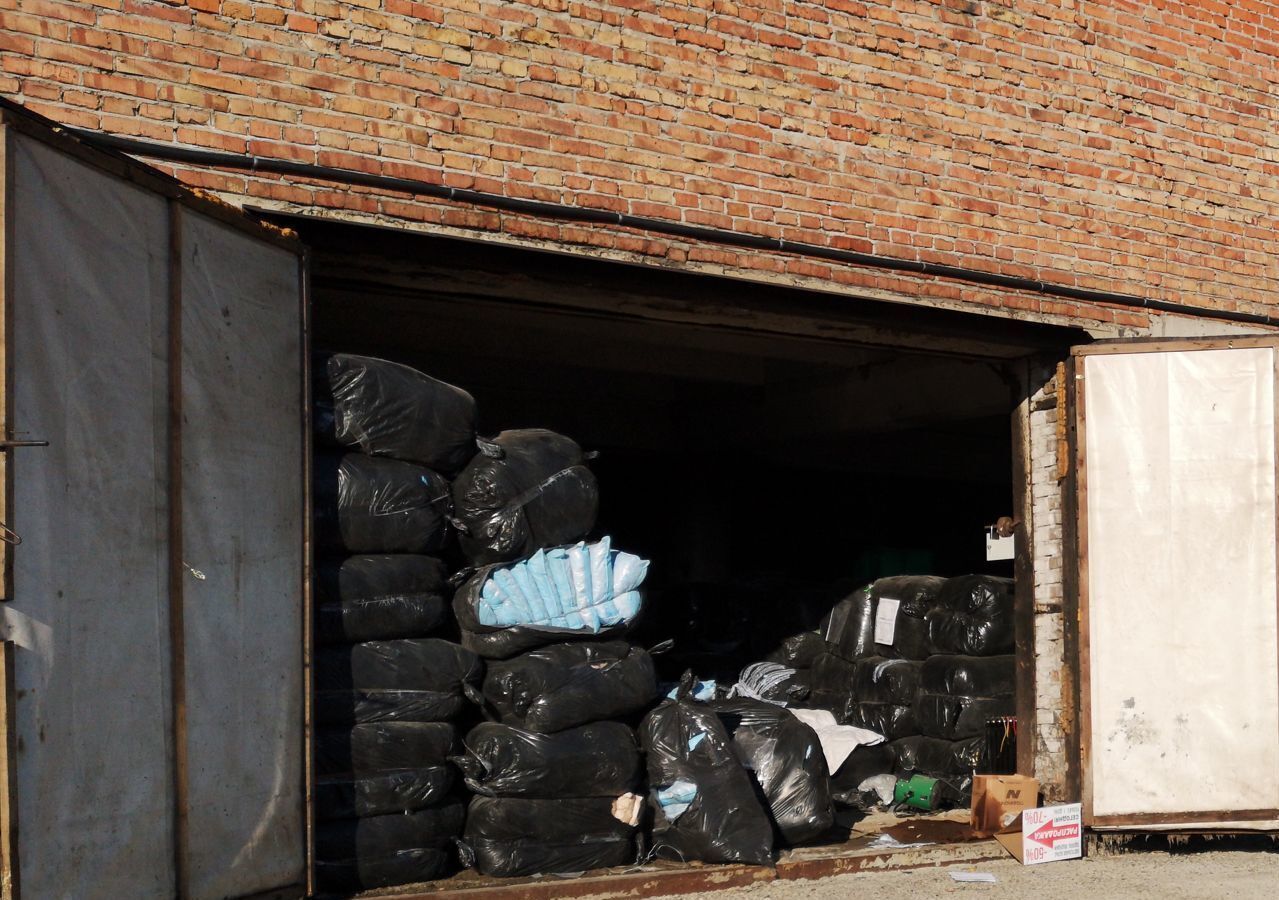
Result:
{"points": [[891, 861], [701, 878]]}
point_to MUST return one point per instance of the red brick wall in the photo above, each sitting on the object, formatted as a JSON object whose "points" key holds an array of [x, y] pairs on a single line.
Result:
{"points": [[1120, 145]]}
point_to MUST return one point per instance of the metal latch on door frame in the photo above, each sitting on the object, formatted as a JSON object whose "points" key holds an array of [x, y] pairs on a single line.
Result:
{"points": [[7, 534]]}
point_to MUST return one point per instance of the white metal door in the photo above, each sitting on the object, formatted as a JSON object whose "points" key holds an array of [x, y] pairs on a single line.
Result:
{"points": [[1176, 480]]}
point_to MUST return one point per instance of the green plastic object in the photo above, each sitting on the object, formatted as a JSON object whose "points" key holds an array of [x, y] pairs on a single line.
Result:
{"points": [[917, 792]]}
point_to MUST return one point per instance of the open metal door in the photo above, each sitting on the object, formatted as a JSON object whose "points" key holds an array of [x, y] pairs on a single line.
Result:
{"points": [[1175, 474], [156, 609]]}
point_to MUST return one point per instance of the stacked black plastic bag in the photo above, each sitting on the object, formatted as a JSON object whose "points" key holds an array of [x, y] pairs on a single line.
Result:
{"points": [[557, 772], [969, 680], [390, 691], [939, 669], [561, 802], [868, 684]]}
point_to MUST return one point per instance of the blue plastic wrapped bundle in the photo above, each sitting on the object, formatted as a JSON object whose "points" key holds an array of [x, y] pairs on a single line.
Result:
{"points": [[582, 591]]}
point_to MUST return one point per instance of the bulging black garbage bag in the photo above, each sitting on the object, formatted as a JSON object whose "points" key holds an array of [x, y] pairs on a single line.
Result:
{"points": [[704, 803], [849, 628], [969, 676], [383, 408], [785, 759], [525, 490], [915, 596], [973, 616], [799, 651], [514, 836], [879, 680], [601, 759], [953, 718], [892, 720], [379, 597], [412, 680], [384, 746], [370, 504], [379, 851], [563, 685], [937, 757], [349, 796]]}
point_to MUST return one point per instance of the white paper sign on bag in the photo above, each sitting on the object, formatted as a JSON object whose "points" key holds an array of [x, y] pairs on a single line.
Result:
{"points": [[886, 620]]}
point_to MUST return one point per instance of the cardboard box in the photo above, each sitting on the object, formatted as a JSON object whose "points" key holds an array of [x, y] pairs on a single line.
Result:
{"points": [[999, 799], [1048, 834]]}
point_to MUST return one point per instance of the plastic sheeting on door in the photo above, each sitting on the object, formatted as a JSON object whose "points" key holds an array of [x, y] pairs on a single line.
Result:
{"points": [[1181, 605], [241, 508], [89, 613], [90, 609]]}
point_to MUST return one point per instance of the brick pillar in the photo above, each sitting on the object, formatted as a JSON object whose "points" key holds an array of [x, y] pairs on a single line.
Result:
{"points": [[1046, 522]]}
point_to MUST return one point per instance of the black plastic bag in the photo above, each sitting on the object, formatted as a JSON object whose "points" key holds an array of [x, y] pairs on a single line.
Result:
{"points": [[936, 757], [832, 674], [849, 628], [879, 680], [799, 651], [864, 762], [384, 793], [385, 618], [973, 616], [785, 759], [368, 504], [601, 759], [374, 705], [379, 851], [953, 718], [407, 664], [704, 802], [969, 676], [514, 836], [350, 875], [375, 598], [563, 685], [526, 490], [387, 409], [916, 595], [892, 720], [384, 746], [373, 576], [911, 639], [418, 680]]}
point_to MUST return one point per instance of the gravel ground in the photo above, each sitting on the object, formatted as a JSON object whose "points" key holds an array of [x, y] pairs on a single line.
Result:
{"points": [[1244, 875]]}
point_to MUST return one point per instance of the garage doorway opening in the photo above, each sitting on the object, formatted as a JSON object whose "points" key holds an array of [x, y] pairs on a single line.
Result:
{"points": [[769, 449]]}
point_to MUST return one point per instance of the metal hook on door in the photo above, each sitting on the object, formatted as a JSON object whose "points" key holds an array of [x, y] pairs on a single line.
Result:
{"points": [[9, 536]]}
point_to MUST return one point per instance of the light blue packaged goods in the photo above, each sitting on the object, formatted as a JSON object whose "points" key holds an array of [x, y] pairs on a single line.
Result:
{"points": [[560, 594]]}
